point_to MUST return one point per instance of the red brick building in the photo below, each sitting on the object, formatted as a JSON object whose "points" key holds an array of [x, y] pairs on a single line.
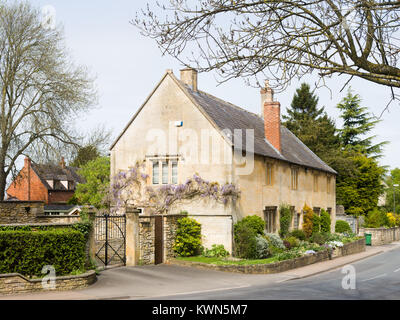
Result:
{"points": [[44, 182]]}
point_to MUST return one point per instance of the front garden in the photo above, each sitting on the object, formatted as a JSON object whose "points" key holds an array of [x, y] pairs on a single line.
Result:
{"points": [[254, 246]]}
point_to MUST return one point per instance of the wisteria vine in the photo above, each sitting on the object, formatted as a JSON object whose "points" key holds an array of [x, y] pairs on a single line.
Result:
{"points": [[131, 187]]}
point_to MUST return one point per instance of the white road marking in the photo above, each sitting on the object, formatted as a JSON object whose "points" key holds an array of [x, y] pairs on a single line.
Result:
{"points": [[380, 276], [195, 292], [397, 270]]}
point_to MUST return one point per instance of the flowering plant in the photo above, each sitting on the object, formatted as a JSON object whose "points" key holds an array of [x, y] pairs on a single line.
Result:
{"points": [[335, 244], [131, 187]]}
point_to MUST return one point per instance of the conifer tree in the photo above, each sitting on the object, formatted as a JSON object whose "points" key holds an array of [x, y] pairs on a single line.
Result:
{"points": [[358, 123]]}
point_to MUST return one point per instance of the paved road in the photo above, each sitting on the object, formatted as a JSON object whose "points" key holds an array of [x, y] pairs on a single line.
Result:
{"points": [[377, 277]]}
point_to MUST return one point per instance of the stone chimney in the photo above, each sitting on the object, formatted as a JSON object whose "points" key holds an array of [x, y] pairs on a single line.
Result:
{"points": [[271, 112], [27, 162], [189, 77], [62, 163]]}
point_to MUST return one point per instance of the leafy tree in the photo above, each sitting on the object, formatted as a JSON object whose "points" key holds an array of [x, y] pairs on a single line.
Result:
{"points": [[41, 90], [357, 124], [359, 189], [84, 155], [393, 193], [97, 176], [325, 222]]}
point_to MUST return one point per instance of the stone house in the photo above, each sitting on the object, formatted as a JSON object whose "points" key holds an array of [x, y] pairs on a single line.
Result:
{"points": [[180, 130], [52, 184]]}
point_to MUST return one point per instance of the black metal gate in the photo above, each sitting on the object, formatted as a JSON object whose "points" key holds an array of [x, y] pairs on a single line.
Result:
{"points": [[110, 239]]}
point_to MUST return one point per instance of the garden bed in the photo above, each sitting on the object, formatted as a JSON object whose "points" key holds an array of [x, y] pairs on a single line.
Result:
{"points": [[270, 265]]}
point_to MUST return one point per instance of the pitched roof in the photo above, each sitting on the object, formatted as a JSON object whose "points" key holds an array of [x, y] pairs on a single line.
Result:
{"points": [[229, 116], [56, 172]]}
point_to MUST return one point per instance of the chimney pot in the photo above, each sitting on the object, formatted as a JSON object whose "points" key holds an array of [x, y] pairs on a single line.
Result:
{"points": [[62, 163], [189, 77]]}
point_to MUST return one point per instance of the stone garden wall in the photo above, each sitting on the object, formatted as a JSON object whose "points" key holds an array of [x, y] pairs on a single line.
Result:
{"points": [[23, 212], [147, 237], [381, 236], [14, 283]]}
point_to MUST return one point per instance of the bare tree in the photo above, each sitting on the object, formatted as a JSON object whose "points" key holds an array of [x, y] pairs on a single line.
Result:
{"points": [[281, 40], [42, 91]]}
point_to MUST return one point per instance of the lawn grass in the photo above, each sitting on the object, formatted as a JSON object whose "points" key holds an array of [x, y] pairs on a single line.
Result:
{"points": [[223, 261]]}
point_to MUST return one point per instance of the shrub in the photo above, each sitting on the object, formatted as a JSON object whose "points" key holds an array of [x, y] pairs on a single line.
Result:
{"points": [[391, 220], [325, 222], [376, 219], [299, 234], [245, 241], [308, 221], [318, 238], [293, 241], [284, 220], [254, 222], [262, 247], [275, 243], [316, 224], [216, 251], [27, 252], [342, 226], [188, 237]]}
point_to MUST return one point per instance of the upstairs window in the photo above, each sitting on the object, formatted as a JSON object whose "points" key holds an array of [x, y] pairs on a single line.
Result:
{"points": [[328, 185], [268, 174], [156, 172], [174, 172], [315, 183], [294, 178], [165, 171]]}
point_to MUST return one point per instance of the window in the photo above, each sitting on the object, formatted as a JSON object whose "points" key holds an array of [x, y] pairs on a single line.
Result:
{"points": [[156, 172], [268, 174], [174, 172], [165, 172], [294, 176], [296, 220], [168, 169], [70, 185], [315, 183], [317, 210], [270, 219], [328, 185]]}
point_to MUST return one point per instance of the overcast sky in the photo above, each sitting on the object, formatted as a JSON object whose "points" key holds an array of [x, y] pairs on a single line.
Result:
{"points": [[128, 65]]}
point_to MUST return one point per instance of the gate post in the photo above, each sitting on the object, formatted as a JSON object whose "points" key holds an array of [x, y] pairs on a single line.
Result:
{"points": [[132, 236]]}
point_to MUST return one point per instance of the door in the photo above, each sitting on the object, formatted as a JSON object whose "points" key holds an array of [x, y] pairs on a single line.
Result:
{"points": [[158, 239]]}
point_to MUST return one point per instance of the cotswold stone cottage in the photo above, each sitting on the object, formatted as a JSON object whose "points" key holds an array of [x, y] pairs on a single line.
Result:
{"points": [[180, 130]]}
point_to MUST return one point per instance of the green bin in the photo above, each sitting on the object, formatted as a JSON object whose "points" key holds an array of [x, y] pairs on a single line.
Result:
{"points": [[368, 239]]}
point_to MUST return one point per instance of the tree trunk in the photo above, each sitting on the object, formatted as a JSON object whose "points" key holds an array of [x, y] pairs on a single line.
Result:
{"points": [[3, 180]]}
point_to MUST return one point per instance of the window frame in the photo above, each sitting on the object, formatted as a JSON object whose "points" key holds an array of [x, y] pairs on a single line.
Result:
{"points": [[294, 181]]}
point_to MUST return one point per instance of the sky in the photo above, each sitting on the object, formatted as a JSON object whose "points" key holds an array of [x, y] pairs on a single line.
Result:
{"points": [[128, 65]]}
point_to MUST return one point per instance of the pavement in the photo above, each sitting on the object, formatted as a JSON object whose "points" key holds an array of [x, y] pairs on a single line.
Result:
{"points": [[176, 282]]}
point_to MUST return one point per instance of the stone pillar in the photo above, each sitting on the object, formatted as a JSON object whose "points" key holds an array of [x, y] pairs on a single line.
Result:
{"points": [[92, 241], [132, 236]]}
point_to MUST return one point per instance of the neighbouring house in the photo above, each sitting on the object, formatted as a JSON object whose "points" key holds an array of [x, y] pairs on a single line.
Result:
{"points": [[180, 130], [62, 210], [50, 183]]}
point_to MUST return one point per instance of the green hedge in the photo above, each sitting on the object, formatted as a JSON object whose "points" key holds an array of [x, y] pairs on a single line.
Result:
{"points": [[27, 252]]}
